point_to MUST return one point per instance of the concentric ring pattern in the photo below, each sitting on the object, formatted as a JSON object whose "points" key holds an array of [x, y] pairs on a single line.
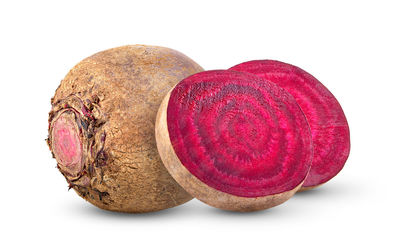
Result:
{"points": [[329, 128], [239, 134]]}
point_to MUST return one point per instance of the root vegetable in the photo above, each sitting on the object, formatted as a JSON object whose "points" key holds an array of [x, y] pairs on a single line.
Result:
{"points": [[233, 140], [329, 128], [101, 127]]}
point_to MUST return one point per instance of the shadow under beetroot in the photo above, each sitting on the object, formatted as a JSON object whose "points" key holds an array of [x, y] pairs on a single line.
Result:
{"points": [[333, 189], [195, 208], [188, 210]]}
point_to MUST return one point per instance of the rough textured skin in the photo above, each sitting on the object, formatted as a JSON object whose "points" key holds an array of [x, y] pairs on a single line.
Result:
{"points": [[234, 140], [329, 128], [197, 188], [114, 96]]}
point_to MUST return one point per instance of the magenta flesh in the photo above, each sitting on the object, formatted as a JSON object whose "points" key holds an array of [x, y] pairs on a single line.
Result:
{"points": [[239, 134], [329, 128]]}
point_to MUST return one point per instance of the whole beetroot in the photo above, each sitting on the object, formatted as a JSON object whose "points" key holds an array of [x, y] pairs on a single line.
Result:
{"points": [[101, 127]]}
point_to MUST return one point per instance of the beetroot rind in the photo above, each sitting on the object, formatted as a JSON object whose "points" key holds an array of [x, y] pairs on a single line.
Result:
{"points": [[239, 134], [329, 127]]}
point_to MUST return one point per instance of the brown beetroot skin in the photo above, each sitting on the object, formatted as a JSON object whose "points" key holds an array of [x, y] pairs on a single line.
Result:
{"points": [[233, 140], [101, 127], [329, 128]]}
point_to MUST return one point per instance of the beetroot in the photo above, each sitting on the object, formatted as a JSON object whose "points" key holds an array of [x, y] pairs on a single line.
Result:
{"points": [[329, 128], [234, 140], [101, 127]]}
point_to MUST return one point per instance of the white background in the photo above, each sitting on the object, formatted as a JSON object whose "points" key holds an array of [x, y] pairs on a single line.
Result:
{"points": [[350, 46]]}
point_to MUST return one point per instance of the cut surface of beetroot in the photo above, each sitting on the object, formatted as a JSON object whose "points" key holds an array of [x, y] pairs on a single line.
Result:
{"points": [[66, 143], [329, 128], [239, 134]]}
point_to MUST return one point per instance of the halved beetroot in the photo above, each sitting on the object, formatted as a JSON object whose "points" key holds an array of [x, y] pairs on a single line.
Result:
{"points": [[329, 128], [234, 140]]}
